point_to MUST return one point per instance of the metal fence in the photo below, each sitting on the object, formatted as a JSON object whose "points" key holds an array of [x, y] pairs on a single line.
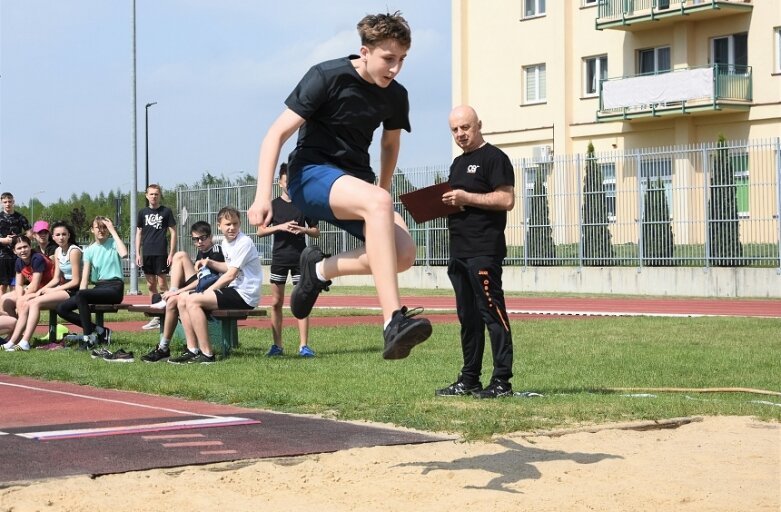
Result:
{"points": [[701, 205]]}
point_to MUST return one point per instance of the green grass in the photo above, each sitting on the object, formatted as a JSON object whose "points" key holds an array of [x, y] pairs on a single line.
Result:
{"points": [[571, 362]]}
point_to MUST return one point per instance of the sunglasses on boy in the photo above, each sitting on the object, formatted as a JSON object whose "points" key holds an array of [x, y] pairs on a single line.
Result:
{"points": [[201, 238]]}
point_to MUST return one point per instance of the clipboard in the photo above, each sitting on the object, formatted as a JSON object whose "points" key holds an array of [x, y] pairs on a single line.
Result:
{"points": [[426, 204]]}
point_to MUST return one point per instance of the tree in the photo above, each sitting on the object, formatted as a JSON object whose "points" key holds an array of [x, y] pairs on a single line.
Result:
{"points": [[657, 229], [723, 225], [539, 234], [595, 235]]}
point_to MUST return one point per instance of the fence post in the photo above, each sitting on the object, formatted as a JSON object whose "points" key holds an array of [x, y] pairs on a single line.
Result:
{"points": [[706, 213], [778, 200], [640, 209], [580, 212], [524, 199]]}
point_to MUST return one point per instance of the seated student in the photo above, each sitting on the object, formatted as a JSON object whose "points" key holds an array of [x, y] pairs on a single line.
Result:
{"points": [[102, 266], [42, 236], [62, 286], [33, 270], [186, 276], [237, 288]]}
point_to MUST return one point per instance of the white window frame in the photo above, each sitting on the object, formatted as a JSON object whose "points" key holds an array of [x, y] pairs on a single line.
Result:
{"points": [[730, 50], [656, 51], [777, 32], [658, 168], [609, 187], [589, 3], [533, 8], [600, 62], [534, 73]]}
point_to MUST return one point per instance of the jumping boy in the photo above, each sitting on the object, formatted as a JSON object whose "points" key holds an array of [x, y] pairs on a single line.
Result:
{"points": [[336, 108], [237, 288], [12, 223], [289, 227], [186, 276], [153, 222]]}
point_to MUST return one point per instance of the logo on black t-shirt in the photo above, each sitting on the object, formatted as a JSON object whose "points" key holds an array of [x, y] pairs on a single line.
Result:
{"points": [[472, 169], [154, 220]]}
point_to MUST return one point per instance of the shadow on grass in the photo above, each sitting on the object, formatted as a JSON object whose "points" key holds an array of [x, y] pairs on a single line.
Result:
{"points": [[515, 464]]}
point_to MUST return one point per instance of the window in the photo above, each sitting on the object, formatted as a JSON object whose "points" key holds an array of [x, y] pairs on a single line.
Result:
{"points": [[535, 83], [658, 169], [662, 4], [652, 61], [730, 52], [595, 71], [588, 3], [778, 49], [532, 8], [609, 186]]}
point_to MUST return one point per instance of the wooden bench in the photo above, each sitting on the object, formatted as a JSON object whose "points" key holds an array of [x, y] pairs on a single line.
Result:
{"points": [[228, 318], [99, 310]]}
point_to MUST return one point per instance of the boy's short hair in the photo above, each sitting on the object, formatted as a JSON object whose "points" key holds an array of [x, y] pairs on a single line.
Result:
{"points": [[282, 169], [6, 195], [201, 227], [228, 212], [156, 186], [375, 28]]}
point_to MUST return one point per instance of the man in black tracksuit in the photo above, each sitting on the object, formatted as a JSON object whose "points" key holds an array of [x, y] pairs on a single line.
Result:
{"points": [[483, 182]]}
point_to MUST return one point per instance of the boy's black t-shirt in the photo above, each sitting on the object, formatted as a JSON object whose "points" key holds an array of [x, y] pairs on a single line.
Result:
{"points": [[342, 111], [11, 224], [154, 224], [288, 246], [475, 231]]}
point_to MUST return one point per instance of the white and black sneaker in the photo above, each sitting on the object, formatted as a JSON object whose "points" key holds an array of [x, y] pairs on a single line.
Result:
{"points": [[404, 332], [305, 293]]}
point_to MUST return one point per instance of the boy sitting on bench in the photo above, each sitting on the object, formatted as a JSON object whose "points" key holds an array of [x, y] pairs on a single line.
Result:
{"points": [[237, 288], [186, 276]]}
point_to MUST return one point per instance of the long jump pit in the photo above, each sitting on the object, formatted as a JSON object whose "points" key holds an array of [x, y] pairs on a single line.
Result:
{"points": [[54, 429]]}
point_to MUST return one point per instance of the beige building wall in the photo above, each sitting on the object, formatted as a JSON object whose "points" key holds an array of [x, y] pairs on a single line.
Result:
{"points": [[493, 42]]}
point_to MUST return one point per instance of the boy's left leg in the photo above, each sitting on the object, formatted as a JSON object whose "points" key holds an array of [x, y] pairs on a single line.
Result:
{"points": [[198, 304]]}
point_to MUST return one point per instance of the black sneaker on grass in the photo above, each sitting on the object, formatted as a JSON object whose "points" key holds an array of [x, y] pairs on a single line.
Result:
{"points": [[459, 388], [120, 356], [305, 293], [183, 359], [156, 354], [496, 389], [404, 332], [99, 353], [202, 359]]}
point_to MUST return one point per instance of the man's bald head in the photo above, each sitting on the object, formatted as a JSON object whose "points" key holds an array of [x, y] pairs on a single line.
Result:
{"points": [[466, 128]]}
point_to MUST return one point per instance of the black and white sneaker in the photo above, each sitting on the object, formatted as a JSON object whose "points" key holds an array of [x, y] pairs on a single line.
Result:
{"points": [[202, 359], [404, 332], [496, 389], [99, 353], [120, 356], [305, 293], [459, 388], [156, 354], [184, 358]]}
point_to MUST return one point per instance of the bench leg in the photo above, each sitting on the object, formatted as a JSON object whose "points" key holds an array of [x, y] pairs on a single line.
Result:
{"points": [[230, 335], [52, 326]]}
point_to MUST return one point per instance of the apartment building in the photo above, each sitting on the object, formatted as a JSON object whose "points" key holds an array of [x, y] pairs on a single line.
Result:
{"points": [[548, 77]]}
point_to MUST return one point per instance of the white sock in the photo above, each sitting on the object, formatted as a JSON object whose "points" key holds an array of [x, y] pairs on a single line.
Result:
{"points": [[25, 344], [387, 322], [319, 271], [163, 343], [8, 344]]}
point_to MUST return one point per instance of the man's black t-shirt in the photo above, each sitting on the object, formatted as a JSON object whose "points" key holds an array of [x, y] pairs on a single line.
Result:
{"points": [[342, 111], [288, 246], [475, 231], [11, 224], [154, 226]]}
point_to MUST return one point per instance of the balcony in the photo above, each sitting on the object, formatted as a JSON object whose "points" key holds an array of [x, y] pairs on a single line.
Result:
{"points": [[709, 89], [634, 15]]}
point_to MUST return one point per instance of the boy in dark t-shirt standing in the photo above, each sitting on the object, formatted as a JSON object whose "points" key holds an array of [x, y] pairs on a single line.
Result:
{"points": [[153, 254], [483, 182], [289, 227], [336, 107], [12, 223]]}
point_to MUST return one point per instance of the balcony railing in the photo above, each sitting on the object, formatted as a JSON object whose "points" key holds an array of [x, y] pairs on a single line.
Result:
{"points": [[682, 91], [636, 14]]}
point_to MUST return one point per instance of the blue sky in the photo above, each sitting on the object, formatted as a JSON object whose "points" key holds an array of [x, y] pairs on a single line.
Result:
{"points": [[219, 71]]}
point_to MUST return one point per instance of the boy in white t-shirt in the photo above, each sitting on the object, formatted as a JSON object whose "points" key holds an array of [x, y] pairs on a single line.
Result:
{"points": [[237, 288]]}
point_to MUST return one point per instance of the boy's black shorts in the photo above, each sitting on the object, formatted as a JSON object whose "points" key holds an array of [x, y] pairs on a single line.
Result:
{"points": [[229, 298], [279, 273], [155, 265], [7, 270]]}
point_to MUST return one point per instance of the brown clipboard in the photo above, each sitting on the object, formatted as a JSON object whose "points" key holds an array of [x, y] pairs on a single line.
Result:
{"points": [[426, 204]]}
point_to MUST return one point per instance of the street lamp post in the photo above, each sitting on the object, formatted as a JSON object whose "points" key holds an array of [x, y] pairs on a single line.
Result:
{"points": [[146, 129], [32, 205]]}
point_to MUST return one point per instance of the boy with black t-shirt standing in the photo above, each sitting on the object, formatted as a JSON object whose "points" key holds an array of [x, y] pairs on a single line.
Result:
{"points": [[153, 255], [12, 223], [483, 183], [289, 227], [336, 107]]}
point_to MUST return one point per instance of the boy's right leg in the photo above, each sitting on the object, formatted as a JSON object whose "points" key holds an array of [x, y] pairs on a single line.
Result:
{"points": [[182, 268], [277, 299]]}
